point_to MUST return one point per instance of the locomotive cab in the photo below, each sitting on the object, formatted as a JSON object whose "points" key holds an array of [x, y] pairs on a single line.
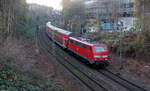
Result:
{"points": [[101, 54]]}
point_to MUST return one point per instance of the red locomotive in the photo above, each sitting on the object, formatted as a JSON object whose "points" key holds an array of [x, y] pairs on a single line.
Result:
{"points": [[92, 52]]}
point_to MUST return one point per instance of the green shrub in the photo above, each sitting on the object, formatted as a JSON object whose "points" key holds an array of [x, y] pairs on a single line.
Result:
{"points": [[10, 80]]}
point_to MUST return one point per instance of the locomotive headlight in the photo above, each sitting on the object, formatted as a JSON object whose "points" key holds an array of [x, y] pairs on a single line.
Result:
{"points": [[104, 56], [100, 56], [97, 56]]}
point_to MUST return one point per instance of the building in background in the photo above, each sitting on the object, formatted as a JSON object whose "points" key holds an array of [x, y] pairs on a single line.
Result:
{"points": [[143, 13], [110, 12], [127, 11]]}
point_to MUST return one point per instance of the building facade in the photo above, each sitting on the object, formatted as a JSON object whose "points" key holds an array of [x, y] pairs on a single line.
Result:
{"points": [[110, 11]]}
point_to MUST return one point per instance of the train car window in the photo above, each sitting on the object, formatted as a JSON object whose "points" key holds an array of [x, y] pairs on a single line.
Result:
{"points": [[79, 44], [86, 47], [82, 45], [71, 41], [100, 49], [75, 42]]}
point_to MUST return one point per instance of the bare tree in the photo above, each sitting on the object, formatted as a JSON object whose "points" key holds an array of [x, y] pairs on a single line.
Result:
{"points": [[10, 12]]}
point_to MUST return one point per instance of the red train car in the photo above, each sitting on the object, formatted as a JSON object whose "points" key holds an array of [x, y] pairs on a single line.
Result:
{"points": [[92, 52], [60, 36]]}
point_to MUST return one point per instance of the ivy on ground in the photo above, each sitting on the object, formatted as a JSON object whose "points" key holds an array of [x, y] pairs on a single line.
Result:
{"points": [[11, 80]]}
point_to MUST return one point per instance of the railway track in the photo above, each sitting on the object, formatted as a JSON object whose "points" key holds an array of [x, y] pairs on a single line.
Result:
{"points": [[92, 83], [127, 84], [81, 76]]}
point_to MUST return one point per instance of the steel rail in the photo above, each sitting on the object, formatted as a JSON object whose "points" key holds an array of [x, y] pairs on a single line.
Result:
{"points": [[110, 75], [43, 44]]}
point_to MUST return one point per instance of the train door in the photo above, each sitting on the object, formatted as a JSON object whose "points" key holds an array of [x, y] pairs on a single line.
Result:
{"points": [[89, 54], [65, 42], [86, 51]]}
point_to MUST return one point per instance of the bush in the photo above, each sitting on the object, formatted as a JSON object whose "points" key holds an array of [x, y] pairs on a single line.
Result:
{"points": [[10, 80]]}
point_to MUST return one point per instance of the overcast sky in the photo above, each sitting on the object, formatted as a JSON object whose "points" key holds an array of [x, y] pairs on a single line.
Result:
{"points": [[56, 4]]}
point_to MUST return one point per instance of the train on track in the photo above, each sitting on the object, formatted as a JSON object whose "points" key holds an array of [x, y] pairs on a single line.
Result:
{"points": [[92, 52]]}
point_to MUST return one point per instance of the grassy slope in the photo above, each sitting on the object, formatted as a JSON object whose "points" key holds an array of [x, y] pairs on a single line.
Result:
{"points": [[11, 80]]}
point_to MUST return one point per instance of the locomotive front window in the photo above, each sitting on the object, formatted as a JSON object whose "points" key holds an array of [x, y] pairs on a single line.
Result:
{"points": [[99, 49]]}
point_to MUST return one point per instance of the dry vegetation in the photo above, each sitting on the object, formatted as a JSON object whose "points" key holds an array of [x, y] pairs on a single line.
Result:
{"points": [[135, 50], [28, 60], [135, 67]]}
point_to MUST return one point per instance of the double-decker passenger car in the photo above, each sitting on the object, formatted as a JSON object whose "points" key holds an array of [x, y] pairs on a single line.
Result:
{"points": [[60, 36], [92, 52]]}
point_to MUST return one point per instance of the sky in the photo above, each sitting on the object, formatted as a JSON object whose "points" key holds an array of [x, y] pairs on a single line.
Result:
{"points": [[56, 4]]}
